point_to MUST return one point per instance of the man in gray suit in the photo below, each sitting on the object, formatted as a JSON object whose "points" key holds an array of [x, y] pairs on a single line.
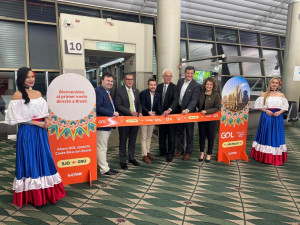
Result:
{"points": [[127, 103], [189, 91]]}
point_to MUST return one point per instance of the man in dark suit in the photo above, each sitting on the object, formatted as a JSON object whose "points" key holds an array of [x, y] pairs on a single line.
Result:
{"points": [[169, 99], [189, 92], [127, 102], [104, 107], [150, 101]]}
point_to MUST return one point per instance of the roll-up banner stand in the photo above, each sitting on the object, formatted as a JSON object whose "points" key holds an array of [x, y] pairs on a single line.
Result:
{"points": [[234, 120], [73, 131]]}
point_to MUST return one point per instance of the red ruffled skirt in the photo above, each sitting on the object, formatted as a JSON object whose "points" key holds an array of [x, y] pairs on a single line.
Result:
{"points": [[40, 197]]}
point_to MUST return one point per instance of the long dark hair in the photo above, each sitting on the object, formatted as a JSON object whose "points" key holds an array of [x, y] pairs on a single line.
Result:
{"points": [[21, 76]]}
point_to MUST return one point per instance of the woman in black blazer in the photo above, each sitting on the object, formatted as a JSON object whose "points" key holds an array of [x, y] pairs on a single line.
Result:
{"points": [[209, 102]]}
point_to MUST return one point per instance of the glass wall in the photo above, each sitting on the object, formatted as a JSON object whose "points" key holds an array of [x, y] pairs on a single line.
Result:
{"points": [[32, 41]]}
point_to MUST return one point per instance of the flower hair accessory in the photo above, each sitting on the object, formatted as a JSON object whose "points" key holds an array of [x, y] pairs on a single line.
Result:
{"points": [[33, 74], [280, 83]]}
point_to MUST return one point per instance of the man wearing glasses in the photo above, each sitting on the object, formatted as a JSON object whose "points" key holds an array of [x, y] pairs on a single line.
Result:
{"points": [[169, 100], [127, 103]]}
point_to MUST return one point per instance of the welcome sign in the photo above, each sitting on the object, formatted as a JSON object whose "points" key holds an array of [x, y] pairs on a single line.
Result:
{"points": [[72, 130]]}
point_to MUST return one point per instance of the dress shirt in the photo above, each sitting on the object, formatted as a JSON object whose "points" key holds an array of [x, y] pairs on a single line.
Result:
{"points": [[152, 99], [183, 89], [167, 85]]}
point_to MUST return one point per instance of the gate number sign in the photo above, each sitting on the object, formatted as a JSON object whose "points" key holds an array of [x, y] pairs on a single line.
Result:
{"points": [[73, 47]]}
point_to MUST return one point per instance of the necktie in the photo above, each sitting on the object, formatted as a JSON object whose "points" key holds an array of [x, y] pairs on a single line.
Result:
{"points": [[164, 93], [109, 96], [130, 101], [112, 103]]}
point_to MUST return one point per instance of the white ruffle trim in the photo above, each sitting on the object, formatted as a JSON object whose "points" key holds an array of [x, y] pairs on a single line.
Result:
{"points": [[272, 102], [18, 112], [26, 184], [269, 149]]}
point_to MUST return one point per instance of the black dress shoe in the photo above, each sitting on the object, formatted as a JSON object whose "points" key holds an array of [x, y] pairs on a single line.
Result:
{"points": [[124, 166], [200, 160], [114, 171], [169, 159], [207, 160], [134, 162], [109, 173]]}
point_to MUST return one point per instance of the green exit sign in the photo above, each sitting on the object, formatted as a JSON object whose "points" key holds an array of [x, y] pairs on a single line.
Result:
{"points": [[108, 46]]}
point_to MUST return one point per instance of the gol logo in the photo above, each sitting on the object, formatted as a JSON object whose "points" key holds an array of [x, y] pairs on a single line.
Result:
{"points": [[227, 135], [132, 121]]}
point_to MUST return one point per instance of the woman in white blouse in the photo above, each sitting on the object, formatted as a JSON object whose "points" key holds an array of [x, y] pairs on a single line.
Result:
{"points": [[36, 178], [269, 144]]}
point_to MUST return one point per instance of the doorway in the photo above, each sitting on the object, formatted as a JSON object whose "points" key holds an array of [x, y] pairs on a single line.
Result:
{"points": [[99, 62]]}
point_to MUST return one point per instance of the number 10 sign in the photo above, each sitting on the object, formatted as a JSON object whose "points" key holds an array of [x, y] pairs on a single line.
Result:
{"points": [[73, 47]]}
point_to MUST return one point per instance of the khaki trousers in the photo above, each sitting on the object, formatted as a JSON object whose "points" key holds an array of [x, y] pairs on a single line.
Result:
{"points": [[146, 135], [102, 140]]}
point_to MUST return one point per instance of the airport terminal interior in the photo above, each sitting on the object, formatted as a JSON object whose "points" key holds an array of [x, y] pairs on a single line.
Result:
{"points": [[256, 40]]}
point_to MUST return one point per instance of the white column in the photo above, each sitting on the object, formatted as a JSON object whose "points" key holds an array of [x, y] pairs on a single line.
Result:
{"points": [[168, 37], [292, 53]]}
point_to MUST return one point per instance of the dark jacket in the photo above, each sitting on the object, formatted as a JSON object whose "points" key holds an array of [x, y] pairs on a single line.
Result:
{"points": [[121, 101], [171, 97], [191, 95], [145, 99], [212, 103], [103, 105]]}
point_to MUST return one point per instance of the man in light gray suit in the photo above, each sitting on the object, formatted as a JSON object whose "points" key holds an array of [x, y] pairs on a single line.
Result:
{"points": [[189, 91], [127, 103]]}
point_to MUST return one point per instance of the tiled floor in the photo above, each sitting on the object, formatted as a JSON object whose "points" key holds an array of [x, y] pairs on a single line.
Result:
{"points": [[181, 192]]}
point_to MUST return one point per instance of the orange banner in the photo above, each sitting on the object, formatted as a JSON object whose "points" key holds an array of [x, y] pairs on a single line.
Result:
{"points": [[123, 121], [73, 131], [234, 120]]}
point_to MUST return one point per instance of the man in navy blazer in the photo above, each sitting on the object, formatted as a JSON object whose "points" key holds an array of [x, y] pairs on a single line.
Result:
{"points": [[150, 101], [127, 102], [104, 107], [189, 93]]}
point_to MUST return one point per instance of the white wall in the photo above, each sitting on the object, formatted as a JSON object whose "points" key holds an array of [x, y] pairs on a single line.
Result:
{"points": [[136, 37]]}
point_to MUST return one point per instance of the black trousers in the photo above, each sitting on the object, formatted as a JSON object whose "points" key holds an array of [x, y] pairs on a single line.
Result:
{"points": [[188, 128], [167, 131], [207, 129], [124, 134]]}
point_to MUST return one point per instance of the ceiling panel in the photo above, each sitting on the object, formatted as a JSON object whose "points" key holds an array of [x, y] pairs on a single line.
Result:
{"points": [[255, 15]]}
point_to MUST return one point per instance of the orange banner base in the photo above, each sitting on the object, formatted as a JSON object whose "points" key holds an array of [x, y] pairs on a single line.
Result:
{"points": [[90, 173], [225, 157]]}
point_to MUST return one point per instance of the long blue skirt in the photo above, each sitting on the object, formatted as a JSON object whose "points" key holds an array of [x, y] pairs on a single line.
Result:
{"points": [[37, 179], [269, 144]]}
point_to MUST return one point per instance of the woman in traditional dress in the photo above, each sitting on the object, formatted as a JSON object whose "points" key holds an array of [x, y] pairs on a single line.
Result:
{"points": [[269, 144], [209, 102], [37, 180]]}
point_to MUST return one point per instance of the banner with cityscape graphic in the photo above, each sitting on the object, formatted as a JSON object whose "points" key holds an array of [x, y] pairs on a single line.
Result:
{"points": [[234, 120]]}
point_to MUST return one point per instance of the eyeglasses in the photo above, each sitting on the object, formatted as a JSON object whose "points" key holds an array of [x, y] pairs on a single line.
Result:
{"points": [[129, 79], [168, 76]]}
